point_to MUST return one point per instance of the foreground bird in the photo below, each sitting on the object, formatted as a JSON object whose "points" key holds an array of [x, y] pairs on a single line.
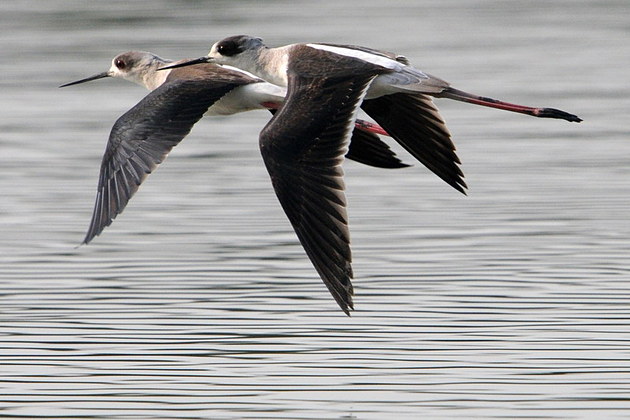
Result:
{"points": [[143, 136], [304, 143]]}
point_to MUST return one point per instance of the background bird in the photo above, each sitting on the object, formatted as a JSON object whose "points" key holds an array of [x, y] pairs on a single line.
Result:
{"points": [[304, 143]]}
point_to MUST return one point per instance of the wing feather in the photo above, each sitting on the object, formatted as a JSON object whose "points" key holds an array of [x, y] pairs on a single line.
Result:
{"points": [[142, 138], [414, 122], [369, 149], [303, 147]]}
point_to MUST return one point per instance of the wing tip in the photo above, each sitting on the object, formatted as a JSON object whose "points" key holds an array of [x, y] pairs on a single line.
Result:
{"points": [[89, 236], [343, 297], [346, 305]]}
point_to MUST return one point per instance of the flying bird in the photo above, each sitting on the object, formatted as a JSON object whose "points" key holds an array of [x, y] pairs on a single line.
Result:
{"points": [[304, 143], [141, 138]]}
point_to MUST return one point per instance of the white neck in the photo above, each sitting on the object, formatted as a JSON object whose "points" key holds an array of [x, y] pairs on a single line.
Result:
{"points": [[154, 79], [272, 65], [269, 64]]}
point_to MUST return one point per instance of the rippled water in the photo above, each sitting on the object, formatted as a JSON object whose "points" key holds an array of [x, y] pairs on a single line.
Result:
{"points": [[198, 302]]}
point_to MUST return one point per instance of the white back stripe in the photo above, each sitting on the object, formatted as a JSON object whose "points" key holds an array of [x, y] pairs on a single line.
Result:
{"points": [[378, 60]]}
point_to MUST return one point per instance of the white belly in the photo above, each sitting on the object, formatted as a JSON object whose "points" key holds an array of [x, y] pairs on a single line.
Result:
{"points": [[247, 98]]}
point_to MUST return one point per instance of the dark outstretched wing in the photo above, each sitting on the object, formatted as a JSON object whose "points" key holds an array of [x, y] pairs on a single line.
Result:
{"points": [[414, 122], [141, 139], [303, 147], [369, 149]]}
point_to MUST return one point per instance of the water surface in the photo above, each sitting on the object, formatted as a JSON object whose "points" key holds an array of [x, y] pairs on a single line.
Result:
{"points": [[199, 303]]}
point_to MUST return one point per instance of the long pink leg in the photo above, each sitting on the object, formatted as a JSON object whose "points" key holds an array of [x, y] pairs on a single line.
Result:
{"points": [[370, 127], [462, 96]]}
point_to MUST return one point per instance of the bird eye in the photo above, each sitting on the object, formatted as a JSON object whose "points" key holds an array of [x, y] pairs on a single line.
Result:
{"points": [[120, 64], [228, 48]]}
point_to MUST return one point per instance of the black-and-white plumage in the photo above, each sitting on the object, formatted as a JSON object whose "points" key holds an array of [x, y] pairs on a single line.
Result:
{"points": [[304, 142], [142, 138]]}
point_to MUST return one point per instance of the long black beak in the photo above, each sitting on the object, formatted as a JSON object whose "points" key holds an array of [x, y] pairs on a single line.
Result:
{"points": [[200, 60], [87, 79]]}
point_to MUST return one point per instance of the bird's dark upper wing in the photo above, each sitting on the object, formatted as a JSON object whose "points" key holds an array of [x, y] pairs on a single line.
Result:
{"points": [[210, 71], [303, 147], [414, 122], [368, 148], [143, 136]]}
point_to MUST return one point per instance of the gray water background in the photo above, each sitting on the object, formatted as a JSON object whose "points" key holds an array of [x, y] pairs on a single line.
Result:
{"points": [[513, 302]]}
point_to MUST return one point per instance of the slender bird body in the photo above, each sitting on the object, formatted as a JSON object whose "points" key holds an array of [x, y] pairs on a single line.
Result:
{"points": [[304, 143], [142, 138]]}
